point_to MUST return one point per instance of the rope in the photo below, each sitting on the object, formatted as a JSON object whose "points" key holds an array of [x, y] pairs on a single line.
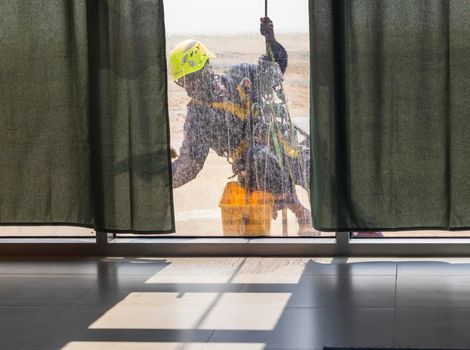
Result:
{"points": [[269, 52], [293, 128], [277, 134]]}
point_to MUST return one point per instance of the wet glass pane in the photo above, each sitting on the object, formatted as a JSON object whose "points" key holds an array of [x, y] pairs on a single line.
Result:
{"points": [[239, 117]]}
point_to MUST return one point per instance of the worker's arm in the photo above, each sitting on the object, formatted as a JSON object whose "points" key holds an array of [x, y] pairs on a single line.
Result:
{"points": [[279, 52], [195, 148]]}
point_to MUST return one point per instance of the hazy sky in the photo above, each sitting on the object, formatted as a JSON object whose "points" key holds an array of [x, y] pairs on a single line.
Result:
{"points": [[233, 16]]}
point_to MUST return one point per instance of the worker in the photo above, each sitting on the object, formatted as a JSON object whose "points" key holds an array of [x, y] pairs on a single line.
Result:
{"points": [[220, 117]]}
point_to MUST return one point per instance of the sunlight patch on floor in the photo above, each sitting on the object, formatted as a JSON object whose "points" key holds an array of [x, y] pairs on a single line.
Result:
{"points": [[219, 311], [232, 270]]}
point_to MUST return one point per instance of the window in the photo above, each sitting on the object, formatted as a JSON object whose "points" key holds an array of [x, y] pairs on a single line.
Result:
{"points": [[231, 31]]}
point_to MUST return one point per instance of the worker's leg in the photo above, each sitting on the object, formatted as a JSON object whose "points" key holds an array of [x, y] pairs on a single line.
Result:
{"points": [[300, 168], [263, 172]]}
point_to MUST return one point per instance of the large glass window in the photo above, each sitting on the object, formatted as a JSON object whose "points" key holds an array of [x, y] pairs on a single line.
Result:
{"points": [[239, 122], [242, 155]]}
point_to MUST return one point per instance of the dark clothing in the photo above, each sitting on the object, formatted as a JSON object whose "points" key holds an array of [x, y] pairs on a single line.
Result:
{"points": [[205, 128], [224, 124]]}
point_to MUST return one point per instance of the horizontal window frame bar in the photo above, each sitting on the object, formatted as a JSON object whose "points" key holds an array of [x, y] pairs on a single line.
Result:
{"points": [[342, 246]]}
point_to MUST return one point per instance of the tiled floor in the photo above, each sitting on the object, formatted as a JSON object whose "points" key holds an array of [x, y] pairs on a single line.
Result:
{"points": [[233, 303]]}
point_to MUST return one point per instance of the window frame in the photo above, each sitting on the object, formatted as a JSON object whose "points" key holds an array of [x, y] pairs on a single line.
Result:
{"points": [[340, 246]]}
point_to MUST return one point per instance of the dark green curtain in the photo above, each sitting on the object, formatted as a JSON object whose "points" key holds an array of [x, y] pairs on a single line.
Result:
{"points": [[390, 105], [84, 125]]}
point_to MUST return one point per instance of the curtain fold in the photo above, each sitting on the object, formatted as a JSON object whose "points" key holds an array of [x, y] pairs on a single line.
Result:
{"points": [[390, 109], [84, 132]]}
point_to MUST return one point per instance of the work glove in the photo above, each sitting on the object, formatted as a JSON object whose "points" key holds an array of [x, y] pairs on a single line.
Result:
{"points": [[266, 29]]}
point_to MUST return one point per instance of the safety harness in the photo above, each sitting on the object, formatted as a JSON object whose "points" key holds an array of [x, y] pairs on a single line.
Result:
{"points": [[243, 111]]}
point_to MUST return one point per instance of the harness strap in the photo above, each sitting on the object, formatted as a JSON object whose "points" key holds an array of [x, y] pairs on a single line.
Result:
{"points": [[241, 149], [289, 150], [241, 111]]}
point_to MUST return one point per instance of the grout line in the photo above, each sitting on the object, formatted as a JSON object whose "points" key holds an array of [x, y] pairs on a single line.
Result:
{"points": [[41, 327], [66, 308], [84, 294], [217, 299]]}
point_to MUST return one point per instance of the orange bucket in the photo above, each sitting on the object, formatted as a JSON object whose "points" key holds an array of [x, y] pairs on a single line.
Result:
{"points": [[242, 216]]}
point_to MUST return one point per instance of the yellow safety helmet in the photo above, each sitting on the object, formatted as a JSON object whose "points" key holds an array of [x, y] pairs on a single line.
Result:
{"points": [[188, 57]]}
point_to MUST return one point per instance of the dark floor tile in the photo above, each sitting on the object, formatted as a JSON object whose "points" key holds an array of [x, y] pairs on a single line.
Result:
{"points": [[145, 267], [421, 268], [44, 290], [121, 335], [439, 327], [340, 267], [315, 328], [57, 266], [110, 291], [19, 324], [432, 291], [334, 291], [74, 325]]}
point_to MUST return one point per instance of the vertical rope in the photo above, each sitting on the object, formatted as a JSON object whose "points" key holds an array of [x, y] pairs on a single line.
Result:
{"points": [[270, 55], [269, 52]]}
